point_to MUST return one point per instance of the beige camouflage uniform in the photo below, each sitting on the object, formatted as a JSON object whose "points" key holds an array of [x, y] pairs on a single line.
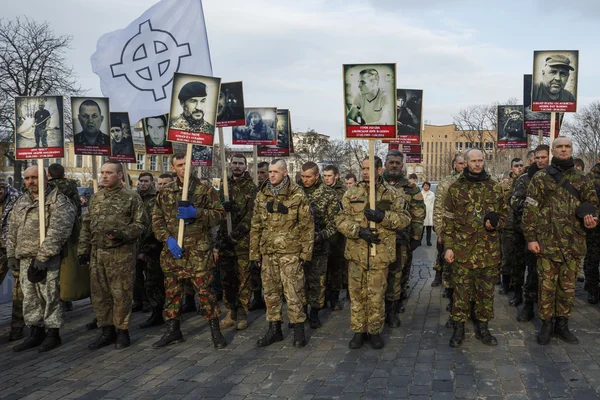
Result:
{"points": [[438, 226]]}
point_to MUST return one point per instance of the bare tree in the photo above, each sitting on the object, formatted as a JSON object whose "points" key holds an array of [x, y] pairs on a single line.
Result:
{"points": [[584, 129], [311, 146], [32, 63]]}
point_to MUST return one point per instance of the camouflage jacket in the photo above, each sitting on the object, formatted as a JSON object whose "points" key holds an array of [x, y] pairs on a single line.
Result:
{"points": [[352, 218], [517, 200], [23, 239], [148, 242], [438, 205], [210, 212], [324, 206], [594, 176], [337, 243], [68, 187], [108, 209], [276, 233], [12, 195], [465, 205], [340, 189], [242, 192], [508, 185], [189, 124], [416, 207], [549, 215]]}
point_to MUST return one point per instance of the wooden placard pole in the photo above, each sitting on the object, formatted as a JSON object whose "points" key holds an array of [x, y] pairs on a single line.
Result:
{"points": [[540, 136], [372, 187], [552, 132], [42, 199], [255, 169], [126, 176], [184, 194], [224, 176], [95, 173]]}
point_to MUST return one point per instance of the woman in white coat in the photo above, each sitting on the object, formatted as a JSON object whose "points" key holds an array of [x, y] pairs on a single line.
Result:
{"points": [[429, 198]]}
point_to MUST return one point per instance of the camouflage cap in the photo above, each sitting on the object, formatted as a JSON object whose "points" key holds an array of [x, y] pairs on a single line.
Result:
{"points": [[559, 60]]}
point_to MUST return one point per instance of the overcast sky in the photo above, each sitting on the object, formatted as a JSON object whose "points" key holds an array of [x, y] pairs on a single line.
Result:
{"points": [[289, 52]]}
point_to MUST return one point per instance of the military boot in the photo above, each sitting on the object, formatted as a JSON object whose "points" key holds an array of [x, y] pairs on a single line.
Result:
{"points": [[450, 296], [391, 318], [15, 334], [545, 334], [189, 304], [172, 336], [357, 340], [108, 337], [518, 297], [230, 319], [92, 325], [52, 341], [37, 335], [273, 335], [242, 319], [399, 305], [458, 335], [505, 285], [376, 341], [437, 281], [313, 319], [123, 339], [483, 333], [526, 313], [155, 319], [561, 330], [593, 295], [299, 337], [216, 335], [258, 303]]}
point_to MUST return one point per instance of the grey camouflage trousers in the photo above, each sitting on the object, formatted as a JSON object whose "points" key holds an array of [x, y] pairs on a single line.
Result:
{"points": [[41, 301]]}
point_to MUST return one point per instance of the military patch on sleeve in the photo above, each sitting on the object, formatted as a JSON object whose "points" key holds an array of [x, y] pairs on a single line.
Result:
{"points": [[531, 201], [448, 215]]}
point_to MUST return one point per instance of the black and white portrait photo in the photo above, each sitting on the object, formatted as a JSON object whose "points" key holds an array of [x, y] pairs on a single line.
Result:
{"points": [[511, 131], [260, 127], [91, 120], [555, 81], [39, 122], [121, 139], [202, 156], [409, 105], [230, 110]]}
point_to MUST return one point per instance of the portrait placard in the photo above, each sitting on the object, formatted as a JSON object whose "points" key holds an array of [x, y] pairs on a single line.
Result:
{"points": [[39, 123], [282, 149], [91, 120], [230, 111], [413, 158], [511, 132], [155, 135], [194, 109], [122, 149], [202, 156], [536, 121], [260, 127], [370, 101], [555, 74]]}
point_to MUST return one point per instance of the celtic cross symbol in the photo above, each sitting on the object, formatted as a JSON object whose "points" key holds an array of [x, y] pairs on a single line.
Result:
{"points": [[149, 59]]}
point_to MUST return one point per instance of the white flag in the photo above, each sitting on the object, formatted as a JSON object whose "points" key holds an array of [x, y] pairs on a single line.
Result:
{"points": [[136, 64]]}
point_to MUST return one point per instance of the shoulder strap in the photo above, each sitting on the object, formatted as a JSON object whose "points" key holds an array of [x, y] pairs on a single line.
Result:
{"points": [[563, 181]]}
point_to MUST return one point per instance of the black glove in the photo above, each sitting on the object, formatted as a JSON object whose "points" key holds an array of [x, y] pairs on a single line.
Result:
{"points": [[229, 206], [281, 209], [84, 259], [374, 215], [493, 218], [13, 264], [369, 235], [585, 209], [414, 244], [270, 206], [41, 265], [116, 234]]}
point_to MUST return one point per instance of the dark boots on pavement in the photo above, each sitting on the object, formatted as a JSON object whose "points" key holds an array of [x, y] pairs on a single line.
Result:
{"points": [[545, 334], [155, 319], [215, 333], [517, 300], [108, 337], [123, 339], [299, 337], [52, 340], [483, 333], [437, 281], [15, 334], [458, 335], [172, 336], [358, 340], [313, 318], [273, 335], [37, 335], [526, 313], [561, 331], [376, 341]]}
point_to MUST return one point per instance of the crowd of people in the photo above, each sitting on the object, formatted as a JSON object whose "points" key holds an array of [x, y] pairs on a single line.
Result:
{"points": [[313, 241]]}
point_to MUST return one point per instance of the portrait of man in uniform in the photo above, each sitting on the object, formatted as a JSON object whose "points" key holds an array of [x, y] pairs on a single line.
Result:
{"points": [[555, 81], [193, 98], [91, 119]]}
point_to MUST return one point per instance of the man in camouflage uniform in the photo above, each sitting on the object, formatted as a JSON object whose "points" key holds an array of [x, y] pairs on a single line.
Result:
{"points": [[324, 207], [114, 221], [443, 270], [407, 239], [337, 266], [475, 213], [149, 254], [8, 198], [233, 248], [201, 212], [39, 263], [523, 258], [508, 233], [370, 251], [592, 256], [282, 233], [192, 98], [553, 229]]}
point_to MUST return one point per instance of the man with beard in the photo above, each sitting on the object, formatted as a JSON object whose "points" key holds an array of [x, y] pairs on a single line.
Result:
{"points": [[233, 248], [592, 256], [560, 202], [256, 129], [407, 239], [120, 145], [555, 76], [324, 207], [90, 117], [193, 99], [475, 212], [523, 258]]}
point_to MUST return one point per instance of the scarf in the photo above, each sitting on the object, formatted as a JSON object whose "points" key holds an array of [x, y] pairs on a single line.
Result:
{"points": [[277, 189], [533, 168], [473, 177], [563, 165]]}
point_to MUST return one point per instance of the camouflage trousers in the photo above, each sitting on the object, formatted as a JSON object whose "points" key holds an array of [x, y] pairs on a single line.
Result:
{"points": [[522, 259], [507, 252], [395, 283], [367, 287], [406, 268], [112, 275], [282, 274], [556, 293], [154, 285], [337, 272], [255, 279], [41, 301], [235, 279], [202, 282], [592, 259], [477, 284], [17, 320], [315, 273], [439, 260]]}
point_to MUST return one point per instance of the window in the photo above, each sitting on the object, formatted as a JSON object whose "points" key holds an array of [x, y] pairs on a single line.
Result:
{"points": [[140, 161], [58, 161], [46, 163], [78, 161], [489, 146], [152, 163], [165, 162], [459, 146], [468, 145]]}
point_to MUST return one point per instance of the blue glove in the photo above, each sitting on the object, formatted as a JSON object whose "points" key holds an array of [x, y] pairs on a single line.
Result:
{"points": [[174, 248], [186, 210]]}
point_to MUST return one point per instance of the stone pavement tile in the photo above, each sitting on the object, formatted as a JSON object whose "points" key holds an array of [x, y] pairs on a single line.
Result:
{"points": [[575, 379], [558, 388]]}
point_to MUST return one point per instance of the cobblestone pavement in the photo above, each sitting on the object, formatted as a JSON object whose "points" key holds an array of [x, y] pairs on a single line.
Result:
{"points": [[416, 363]]}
